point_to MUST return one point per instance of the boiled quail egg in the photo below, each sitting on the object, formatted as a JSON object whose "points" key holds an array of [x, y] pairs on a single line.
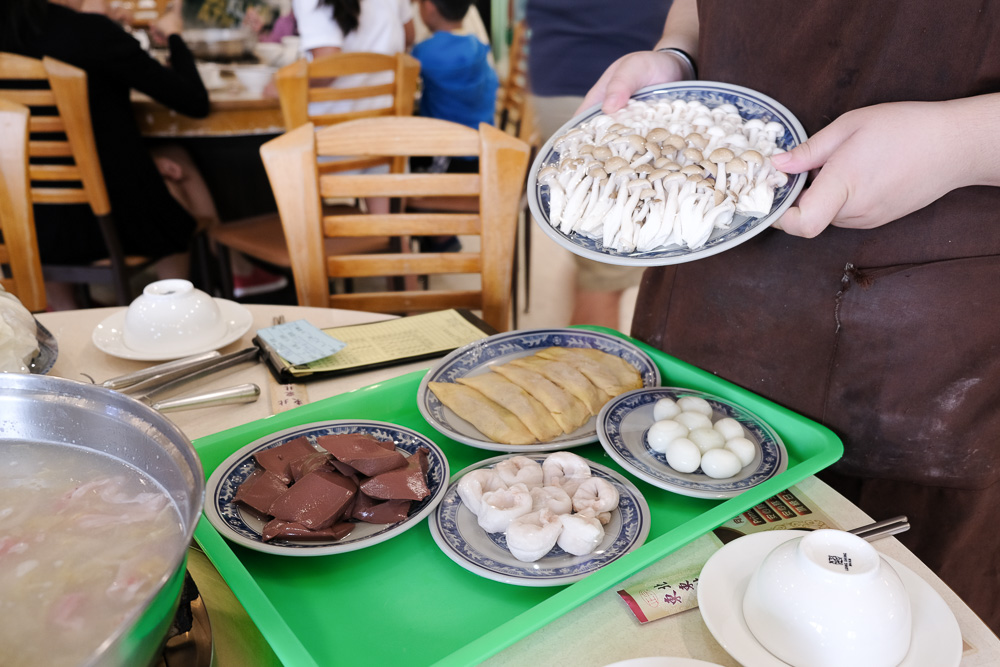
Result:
{"points": [[744, 449], [663, 432], [720, 463], [706, 439], [665, 408], [695, 404], [683, 455], [729, 428], [693, 420]]}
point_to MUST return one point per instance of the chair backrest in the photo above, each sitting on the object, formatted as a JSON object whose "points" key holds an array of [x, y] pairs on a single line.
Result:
{"points": [[20, 266], [299, 188], [304, 82], [64, 167], [514, 111], [77, 179]]}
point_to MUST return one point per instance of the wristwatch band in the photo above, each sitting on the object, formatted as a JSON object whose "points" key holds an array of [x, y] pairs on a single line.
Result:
{"points": [[686, 60]]}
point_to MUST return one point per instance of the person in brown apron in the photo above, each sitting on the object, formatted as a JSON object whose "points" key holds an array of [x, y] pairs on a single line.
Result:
{"points": [[886, 333]]}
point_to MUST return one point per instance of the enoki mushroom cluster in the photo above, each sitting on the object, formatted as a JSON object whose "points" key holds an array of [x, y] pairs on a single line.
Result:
{"points": [[661, 173]]}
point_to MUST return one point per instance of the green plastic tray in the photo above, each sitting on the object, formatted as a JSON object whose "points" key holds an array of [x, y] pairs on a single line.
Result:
{"points": [[403, 602]]}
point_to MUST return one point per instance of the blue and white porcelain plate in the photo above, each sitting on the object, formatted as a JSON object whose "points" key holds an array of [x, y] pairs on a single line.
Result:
{"points": [[456, 530], [750, 104], [48, 351], [476, 358], [244, 527], [623, 423]]}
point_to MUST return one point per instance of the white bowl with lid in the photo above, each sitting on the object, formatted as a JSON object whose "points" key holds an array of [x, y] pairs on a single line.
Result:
{"points": [[829, 599], [172, 317]]}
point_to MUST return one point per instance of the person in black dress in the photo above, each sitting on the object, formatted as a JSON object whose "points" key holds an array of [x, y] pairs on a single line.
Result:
{"points": [[150, 221]]}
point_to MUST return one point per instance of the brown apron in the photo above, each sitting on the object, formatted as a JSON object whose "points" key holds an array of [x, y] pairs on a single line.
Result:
{"points": [[888, 336]]}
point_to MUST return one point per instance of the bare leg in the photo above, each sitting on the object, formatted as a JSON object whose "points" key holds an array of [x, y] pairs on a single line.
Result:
{"points": [[186, 184], [377, 205], [597, 308], [60, 296], [173, 266]]}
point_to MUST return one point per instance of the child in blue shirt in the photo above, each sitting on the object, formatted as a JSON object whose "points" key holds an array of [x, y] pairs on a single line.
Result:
{"points": [[459, 84]]}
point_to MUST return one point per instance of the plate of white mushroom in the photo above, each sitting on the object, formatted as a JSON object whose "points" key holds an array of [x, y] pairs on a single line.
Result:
{"points": [[681, 173]]}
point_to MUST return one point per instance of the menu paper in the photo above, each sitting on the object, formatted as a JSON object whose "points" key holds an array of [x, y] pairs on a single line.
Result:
{"points": [[675, 588], [392, 341]]}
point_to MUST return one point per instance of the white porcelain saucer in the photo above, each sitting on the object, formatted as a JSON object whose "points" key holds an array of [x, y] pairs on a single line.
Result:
{"points": [[109, 335], [662, 661], [936, 642]]}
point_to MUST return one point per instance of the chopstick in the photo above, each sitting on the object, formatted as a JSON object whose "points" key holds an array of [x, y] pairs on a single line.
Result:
{"points": [[178, 365], [196, 372], [880, 529]]}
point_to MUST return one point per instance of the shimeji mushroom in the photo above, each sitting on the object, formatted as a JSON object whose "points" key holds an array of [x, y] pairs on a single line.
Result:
{"points": [[737, 169], [719, 157], [557, 196]]}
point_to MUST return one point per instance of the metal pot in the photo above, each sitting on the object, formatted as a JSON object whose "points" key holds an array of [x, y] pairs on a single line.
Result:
{"points": [[220, 43], [36, 408]]}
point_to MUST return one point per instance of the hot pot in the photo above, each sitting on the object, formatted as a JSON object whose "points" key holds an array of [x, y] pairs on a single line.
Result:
{"points": [[37, 408]]}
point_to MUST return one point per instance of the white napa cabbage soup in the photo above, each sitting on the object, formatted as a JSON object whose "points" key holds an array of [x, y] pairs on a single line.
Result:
{"points": [[82, 540]]}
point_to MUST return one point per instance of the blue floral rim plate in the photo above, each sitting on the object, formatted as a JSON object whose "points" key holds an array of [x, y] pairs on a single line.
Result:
{"points": [[478, 356], [48, 351], [750, 104], [455, 529], [244, 528], [624, 421]]}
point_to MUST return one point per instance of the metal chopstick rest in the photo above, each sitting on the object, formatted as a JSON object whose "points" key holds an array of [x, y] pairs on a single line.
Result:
{"points": [[131, 379], [243, 393]]}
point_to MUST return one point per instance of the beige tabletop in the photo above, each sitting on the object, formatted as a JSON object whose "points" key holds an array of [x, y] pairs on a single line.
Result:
{"points": [[599, 632]]}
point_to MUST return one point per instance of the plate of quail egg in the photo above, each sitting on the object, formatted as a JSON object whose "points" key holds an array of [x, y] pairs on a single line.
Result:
{"points": [[690, 442]]}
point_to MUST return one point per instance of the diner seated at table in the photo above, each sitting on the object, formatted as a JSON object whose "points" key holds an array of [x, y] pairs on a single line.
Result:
{"points": [[336, 26], [458, 84], [157, 201]]}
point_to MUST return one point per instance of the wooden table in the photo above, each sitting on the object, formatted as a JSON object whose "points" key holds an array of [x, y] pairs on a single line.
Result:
{"points": [[234, 112], [599, 632]]}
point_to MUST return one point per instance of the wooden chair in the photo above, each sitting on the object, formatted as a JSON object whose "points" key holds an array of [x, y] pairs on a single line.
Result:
{"points": [[261, 238], [291, 162], [514, 112], [67, 170], [20, 266], [515, 115]]}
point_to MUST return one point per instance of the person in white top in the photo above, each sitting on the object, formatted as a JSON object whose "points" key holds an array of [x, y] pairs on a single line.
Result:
{"points": [[370, 26]]}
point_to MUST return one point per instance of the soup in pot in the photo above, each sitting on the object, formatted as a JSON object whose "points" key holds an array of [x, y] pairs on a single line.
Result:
{"points": [[82, 540]]}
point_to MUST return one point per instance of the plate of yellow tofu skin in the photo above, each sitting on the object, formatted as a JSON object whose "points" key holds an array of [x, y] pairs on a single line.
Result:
{"points": [[532, 390]]}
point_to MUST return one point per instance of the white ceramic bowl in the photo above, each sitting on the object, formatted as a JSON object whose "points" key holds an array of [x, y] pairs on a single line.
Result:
{"points": [[171, 316], [268, 53], [828, 600], [254, 77]]}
